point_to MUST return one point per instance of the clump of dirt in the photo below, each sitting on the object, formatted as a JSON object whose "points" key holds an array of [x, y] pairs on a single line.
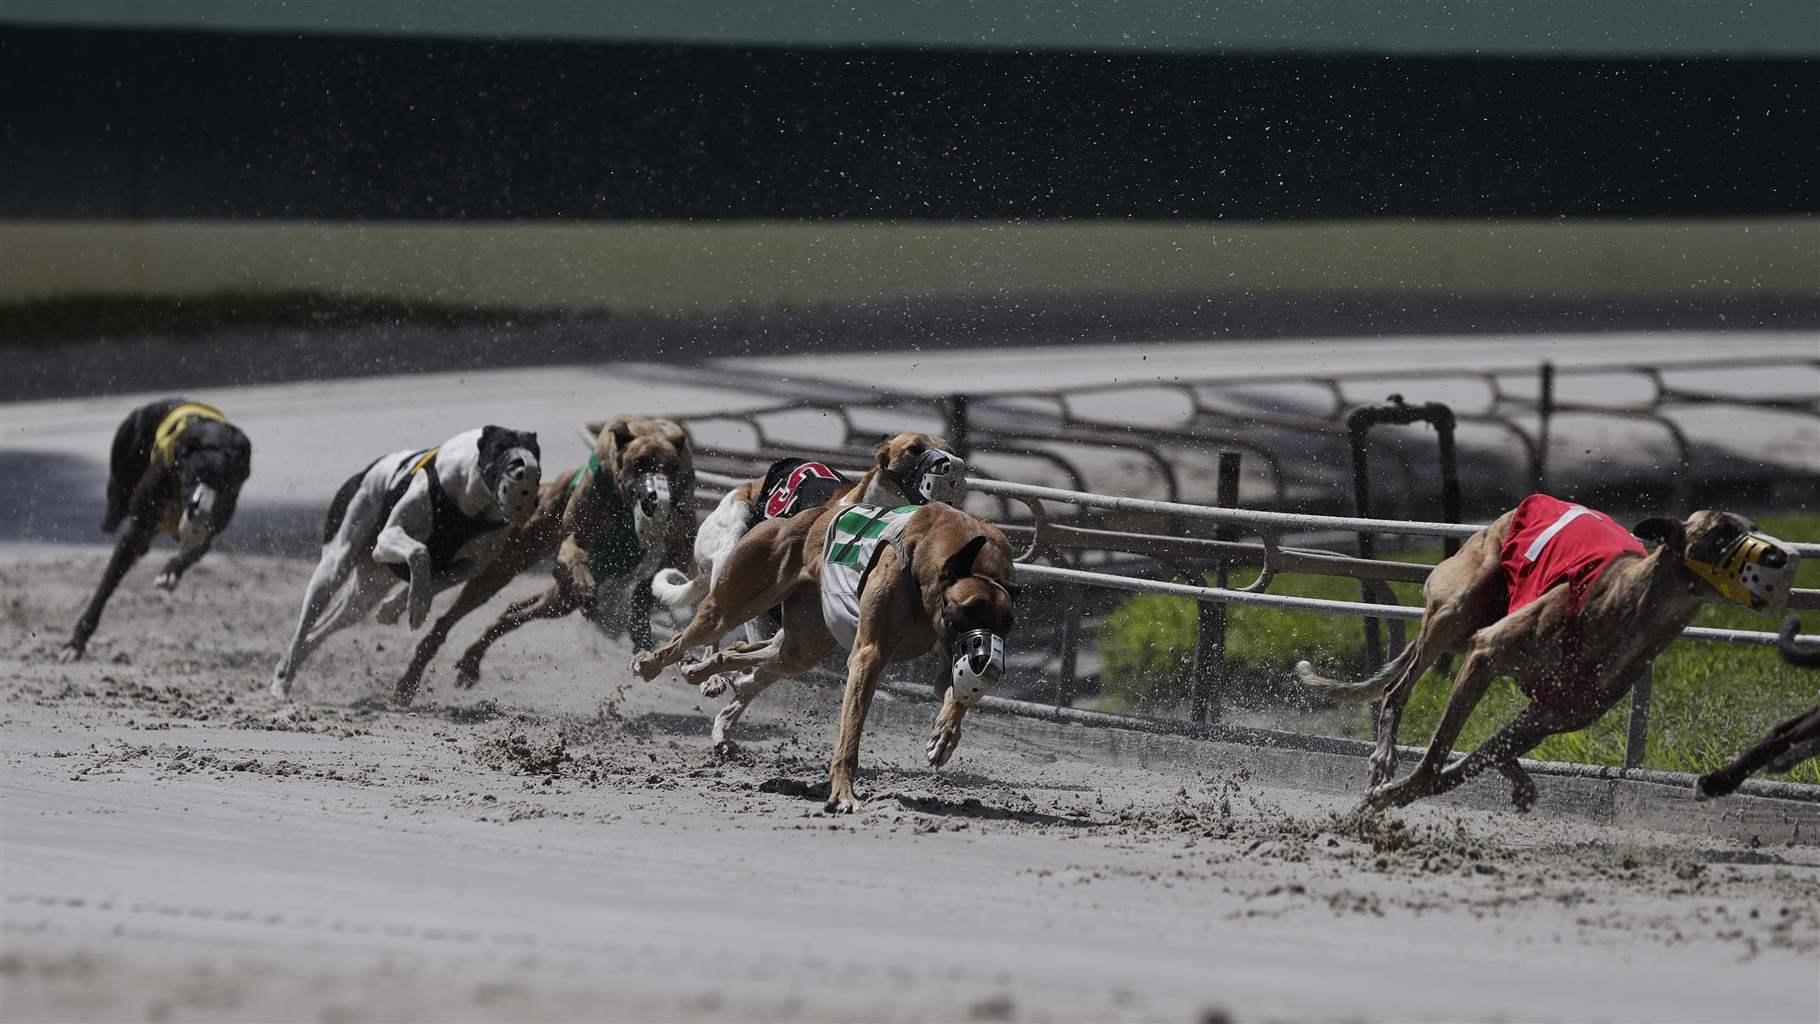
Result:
{"points": [[526, 751]]}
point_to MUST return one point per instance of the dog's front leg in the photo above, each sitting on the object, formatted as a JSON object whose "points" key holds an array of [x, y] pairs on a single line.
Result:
{"points": [[175, 568], [397, 547], [863, 668], [132, 547], [946, 735], [1798, 730]]}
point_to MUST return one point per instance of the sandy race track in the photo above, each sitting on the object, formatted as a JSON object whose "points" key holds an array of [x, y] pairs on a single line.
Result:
{"points": [[561, 843]]}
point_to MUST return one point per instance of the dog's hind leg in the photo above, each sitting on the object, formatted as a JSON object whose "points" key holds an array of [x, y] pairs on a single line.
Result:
{"points": [[332, 570], [554, 602], [1475, 676], [746, 687], [1446, 626], [1531, 726], [794, 657], [1784, 739], [718, 614], [132, 547], [735, 658], [474, 593]]}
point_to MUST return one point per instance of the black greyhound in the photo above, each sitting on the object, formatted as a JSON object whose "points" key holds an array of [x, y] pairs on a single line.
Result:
{"points": [[1788, 744], [177, 466]]}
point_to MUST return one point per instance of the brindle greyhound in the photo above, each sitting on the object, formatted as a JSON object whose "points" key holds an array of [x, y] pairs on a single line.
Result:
{"points": [[597, 522], [936, 573], [1575, 648], [1787, 745]]}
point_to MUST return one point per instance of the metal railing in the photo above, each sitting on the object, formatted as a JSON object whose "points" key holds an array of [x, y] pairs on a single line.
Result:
{"points": [[1044, 535], [1522, 402]]}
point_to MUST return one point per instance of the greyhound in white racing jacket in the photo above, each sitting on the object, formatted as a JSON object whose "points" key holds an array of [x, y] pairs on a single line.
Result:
{"points": [[432, 518]]}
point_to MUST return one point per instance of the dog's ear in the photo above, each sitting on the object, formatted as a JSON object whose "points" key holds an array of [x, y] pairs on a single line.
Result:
{"points": [[673, 432], [882, 453], [1014, 590], [613, 438], [1663, 530], [959, 565]]}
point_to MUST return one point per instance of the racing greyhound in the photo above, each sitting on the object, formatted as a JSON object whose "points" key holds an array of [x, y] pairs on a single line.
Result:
{"points": [[907, 469], [176, 466], [634, 500], [432, 517], [887, 584], [1787, 745], [1568, 603]]}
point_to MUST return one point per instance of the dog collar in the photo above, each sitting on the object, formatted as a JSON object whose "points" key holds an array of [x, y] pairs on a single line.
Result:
{"points": [[175, 422]]}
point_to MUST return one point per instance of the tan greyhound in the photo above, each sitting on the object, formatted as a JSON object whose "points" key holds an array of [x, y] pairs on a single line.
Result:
{"points": [[888, 583]]}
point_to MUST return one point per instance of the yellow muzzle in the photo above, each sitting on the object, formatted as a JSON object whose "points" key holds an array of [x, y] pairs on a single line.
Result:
{"points": [[1755, 571]]}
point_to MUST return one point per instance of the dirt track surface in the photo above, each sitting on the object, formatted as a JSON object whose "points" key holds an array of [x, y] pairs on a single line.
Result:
{"points": [[561, 843]]}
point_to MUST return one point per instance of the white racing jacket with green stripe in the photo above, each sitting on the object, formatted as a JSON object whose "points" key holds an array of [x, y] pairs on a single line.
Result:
{"points": [[854, 541]]}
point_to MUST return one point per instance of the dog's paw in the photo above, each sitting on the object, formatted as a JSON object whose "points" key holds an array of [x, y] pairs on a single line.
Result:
{"points": [[941, 746], [715, 685], [843, 803], [167, 580], [1304, 671], [1523, 796], [727, 750], [420, 612], [646, 666], [281, 688], [466, 676], [1711, 785], [389, 611], [70, 653]]}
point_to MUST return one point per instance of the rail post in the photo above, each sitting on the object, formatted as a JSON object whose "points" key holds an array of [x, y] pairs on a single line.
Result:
{"points": [[1397, 412], [1069, 640], [1207, 680], [1545, 411], [956, 408], [1636, 739]]}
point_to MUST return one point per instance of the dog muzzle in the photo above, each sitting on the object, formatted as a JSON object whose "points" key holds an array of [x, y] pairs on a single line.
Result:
{"points": [[518, 485], [197, 523], [979, 663], [937, 476], [1755, 570], [651, 506]]}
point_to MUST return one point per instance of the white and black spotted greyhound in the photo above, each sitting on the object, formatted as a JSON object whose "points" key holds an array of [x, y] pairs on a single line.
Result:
{"points": [[177, 466], [432, 518]]}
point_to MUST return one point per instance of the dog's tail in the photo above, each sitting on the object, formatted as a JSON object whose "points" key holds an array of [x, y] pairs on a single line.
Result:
{"points": [[1361, 691], [677, 590]]}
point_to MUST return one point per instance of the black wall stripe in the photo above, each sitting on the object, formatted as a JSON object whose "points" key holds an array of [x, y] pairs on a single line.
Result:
{"points": [[106, 124]]}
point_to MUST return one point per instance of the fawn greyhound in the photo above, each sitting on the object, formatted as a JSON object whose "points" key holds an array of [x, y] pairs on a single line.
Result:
{"points": [[886, 583]]}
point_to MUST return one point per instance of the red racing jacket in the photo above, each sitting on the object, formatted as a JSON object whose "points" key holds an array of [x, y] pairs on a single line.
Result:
{"points": [[1556, 543]]}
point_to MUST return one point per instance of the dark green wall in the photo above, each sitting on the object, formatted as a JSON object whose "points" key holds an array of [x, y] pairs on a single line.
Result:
{"points": [[199, 125]]}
